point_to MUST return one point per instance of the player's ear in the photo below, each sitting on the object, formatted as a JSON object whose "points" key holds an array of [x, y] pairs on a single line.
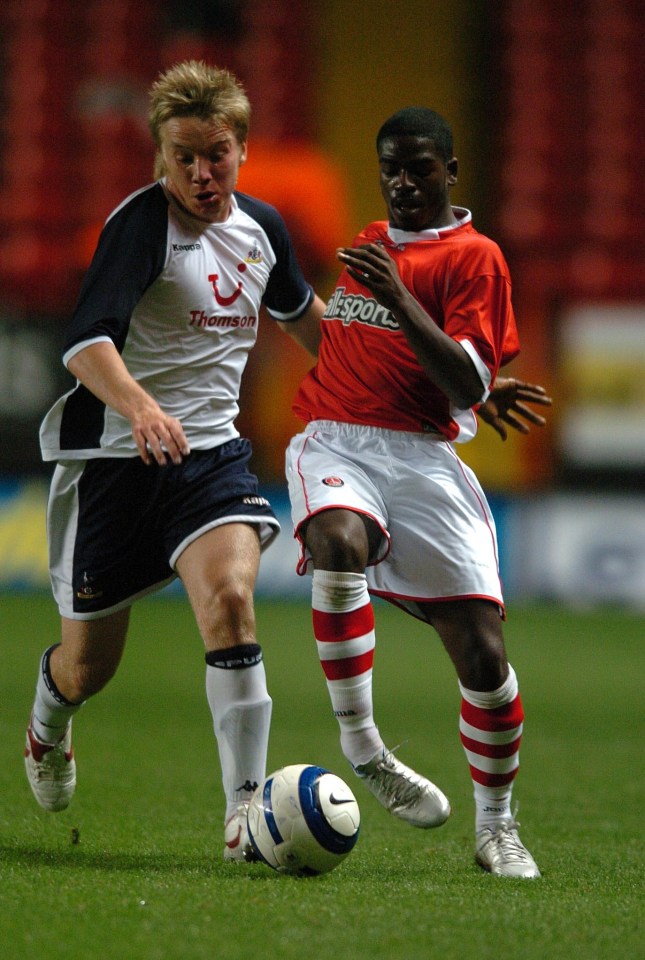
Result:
{"points": [[244, 152], [452, 168]]}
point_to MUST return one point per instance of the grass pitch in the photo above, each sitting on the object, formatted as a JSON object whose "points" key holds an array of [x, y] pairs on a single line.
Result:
{"points": [[133, 868]]}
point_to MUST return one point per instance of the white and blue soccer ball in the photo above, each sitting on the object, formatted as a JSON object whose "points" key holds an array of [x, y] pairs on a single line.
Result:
{"points": [[303, 820]]}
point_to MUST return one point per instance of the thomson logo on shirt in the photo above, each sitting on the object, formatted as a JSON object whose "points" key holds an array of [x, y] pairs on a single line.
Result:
{"points": [[199, 318], [350, 307], [186, 247]]}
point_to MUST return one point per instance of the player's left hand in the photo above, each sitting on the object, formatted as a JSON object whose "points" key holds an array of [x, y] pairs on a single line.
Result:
{"points": [[375, 269], [506, 404]]}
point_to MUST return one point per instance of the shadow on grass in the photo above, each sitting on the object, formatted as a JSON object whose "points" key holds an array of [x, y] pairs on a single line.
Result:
{"points": [[24, 857], [29, 856], [402, 868]]}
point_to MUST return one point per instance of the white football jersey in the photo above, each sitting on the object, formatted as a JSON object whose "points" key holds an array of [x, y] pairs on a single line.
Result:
{"points": [[180, 299]]}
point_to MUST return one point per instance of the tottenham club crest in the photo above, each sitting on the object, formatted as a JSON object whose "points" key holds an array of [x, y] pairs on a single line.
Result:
{"points": [[88, 590], [333, 482], [254, 255]]}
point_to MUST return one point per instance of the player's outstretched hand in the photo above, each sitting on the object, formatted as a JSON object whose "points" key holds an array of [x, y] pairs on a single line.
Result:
{"points": [[506, 404]]}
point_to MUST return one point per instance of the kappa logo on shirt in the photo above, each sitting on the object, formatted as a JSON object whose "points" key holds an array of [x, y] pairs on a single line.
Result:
{"points": [[186, 247]]}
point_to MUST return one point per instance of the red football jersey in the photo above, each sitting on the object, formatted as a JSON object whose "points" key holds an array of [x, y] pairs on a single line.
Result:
{"points": [[367, 373]]}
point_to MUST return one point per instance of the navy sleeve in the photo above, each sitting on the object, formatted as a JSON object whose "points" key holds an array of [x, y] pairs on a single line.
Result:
{"points": [[129, 256], [287, 290]]}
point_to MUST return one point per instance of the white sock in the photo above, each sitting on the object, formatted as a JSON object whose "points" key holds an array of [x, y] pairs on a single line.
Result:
{"points": [[241, 708], [51, 712]]}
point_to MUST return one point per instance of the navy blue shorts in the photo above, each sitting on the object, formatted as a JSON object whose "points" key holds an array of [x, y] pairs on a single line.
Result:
{"points": [[116, 526]]}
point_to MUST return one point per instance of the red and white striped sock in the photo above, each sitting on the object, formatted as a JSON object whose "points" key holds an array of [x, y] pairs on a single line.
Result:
{"points": [[343, 622], [490, 726]]}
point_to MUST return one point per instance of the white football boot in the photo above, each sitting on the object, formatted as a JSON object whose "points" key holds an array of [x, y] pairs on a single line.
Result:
{"points": [[404, 793], [51, 770], [238, 846], [503, 854]]}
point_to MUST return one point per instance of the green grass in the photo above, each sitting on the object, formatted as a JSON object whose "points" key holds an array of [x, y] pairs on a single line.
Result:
{"points": [[146, 881]]}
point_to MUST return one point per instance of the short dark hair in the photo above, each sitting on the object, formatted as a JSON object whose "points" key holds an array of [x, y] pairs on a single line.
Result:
{"points": [[418, 122]]}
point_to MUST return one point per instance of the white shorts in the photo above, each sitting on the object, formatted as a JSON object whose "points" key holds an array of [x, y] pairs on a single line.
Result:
{"points": [[439, 540]]}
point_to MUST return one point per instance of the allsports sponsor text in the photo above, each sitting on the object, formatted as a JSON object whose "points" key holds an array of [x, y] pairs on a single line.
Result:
{"points": [[349, 307]]}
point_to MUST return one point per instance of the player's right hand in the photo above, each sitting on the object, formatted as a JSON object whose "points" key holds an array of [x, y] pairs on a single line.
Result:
{"points": [[160, 438]]}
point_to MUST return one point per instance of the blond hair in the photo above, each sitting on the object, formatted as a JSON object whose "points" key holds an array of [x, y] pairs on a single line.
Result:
{"points": [[195, 89]]}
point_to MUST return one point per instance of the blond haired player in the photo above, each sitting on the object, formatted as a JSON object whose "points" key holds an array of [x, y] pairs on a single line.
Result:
{"points": [[152, 478]]}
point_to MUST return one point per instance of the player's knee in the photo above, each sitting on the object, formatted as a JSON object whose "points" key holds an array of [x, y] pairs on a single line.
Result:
{"points": [[227, 611], [337, 540], [234, 597], [484, 663], [341, 553]]}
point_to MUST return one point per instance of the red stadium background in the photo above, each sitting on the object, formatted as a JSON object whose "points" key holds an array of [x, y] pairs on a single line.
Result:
{"points": [[545, 107]]}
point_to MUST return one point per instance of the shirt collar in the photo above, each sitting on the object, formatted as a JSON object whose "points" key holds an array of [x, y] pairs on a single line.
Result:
{"points": [[405, 236]]}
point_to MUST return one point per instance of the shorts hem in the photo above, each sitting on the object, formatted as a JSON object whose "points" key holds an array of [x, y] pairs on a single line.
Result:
{"points": [[407, 604], [121, 605], [266, 537]]}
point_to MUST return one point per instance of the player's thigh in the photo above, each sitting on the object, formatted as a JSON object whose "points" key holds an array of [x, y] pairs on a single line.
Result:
{"points": [[212, 489], [104, 544], [219, 570], [337, 508], [444, 544]]}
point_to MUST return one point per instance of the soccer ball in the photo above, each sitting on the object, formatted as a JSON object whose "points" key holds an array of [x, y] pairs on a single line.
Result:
{"points": [[303, 820]]}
